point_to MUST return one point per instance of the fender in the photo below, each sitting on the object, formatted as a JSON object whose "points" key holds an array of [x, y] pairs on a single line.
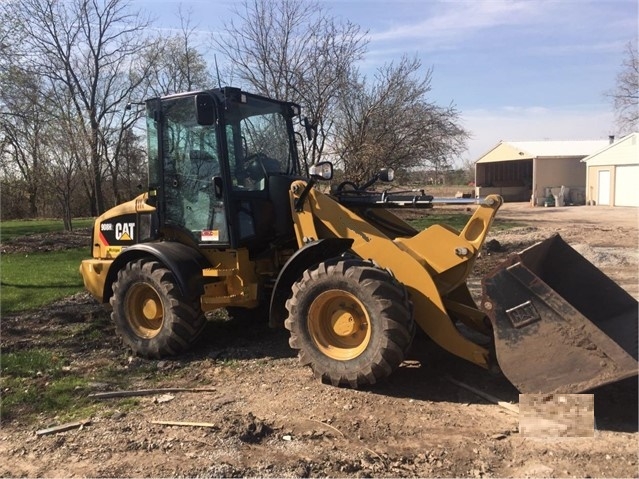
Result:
{"points": [[304, 258], [185, 263]]}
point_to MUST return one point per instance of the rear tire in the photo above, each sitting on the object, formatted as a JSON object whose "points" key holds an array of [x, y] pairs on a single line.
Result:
{"points": [[350, 321], [150, 313]]}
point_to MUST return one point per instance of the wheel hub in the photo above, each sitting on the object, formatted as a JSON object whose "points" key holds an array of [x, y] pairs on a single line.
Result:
{"points": [[144, 310], [344, 324], [339, 325], [150, 309]]}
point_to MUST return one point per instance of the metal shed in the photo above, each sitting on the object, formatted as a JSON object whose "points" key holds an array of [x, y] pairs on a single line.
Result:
{"points": [[541, 172], [613, 173]]}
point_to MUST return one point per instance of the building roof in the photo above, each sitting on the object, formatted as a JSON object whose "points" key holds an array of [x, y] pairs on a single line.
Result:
{"points": [[624, 150], [560, 148], [526, 150]]}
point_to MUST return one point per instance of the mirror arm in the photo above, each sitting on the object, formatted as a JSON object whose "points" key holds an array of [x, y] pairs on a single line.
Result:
{"points": [[304, 153], [299, 203], [369, 182]]}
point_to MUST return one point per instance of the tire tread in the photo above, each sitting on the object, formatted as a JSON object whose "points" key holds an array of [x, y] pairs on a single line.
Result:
{"points": [[392, 307]]}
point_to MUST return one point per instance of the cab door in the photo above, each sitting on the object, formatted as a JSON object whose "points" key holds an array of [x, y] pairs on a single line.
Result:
{"points": [[193, 199]]}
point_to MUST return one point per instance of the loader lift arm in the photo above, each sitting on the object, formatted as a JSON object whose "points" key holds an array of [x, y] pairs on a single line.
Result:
{"points": [[551, 321], [433, 264]]}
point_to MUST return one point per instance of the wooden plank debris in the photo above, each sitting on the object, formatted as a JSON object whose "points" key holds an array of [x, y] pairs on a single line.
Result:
{"points": [[147, 392], [511, 408], [63, 427], [184, 423]]}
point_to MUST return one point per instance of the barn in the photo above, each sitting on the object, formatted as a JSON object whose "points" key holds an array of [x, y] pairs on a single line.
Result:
{"points": [[613, 173], [536, 171]]}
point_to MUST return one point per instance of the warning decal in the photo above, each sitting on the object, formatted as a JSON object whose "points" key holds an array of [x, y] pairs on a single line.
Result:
{"points": [[210, 235]]}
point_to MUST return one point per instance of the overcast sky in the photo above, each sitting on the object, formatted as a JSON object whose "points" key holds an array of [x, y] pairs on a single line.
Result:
{"points": [[516, 70]]}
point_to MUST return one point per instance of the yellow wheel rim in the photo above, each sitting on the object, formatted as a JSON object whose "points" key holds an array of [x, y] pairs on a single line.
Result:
{"points": [[339, 325], [144, 311]]}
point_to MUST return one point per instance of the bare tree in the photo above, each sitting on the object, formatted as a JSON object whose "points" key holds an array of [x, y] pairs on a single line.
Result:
{"points": [[177, 64], [625, 96], [391, 123], [22, 119], [88, 50], [32, 123], [64, 158], [9, 36], [23, 123], [294, 50]]}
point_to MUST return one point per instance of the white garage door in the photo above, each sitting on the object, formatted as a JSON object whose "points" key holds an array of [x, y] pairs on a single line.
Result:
{"points": [[627, 186]]}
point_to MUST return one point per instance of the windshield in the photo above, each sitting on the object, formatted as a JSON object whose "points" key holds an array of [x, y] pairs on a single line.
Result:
{"points": [[259, 142]]}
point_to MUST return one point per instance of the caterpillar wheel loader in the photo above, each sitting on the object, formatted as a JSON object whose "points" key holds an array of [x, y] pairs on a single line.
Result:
{"points": [[230, 220]]}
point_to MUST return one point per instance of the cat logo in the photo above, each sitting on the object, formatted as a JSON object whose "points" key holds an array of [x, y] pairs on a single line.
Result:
{"points": [[124, 231]]}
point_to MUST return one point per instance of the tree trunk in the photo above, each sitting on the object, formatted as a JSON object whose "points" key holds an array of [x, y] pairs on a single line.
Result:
{"points": [[33, 203], [64, 199], [97, 170]]}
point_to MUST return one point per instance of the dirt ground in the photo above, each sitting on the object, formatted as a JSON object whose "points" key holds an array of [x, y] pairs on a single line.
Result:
{"points": [[265, 415]]}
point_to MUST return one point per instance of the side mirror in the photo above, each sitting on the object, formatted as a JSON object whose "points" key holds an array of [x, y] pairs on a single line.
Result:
{"points": [[386, 175], [205, 109], [321, 171]]}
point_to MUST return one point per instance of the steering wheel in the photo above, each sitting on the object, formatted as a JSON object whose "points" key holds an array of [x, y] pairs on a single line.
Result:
{"points": [[258, 165], [255, 156]]}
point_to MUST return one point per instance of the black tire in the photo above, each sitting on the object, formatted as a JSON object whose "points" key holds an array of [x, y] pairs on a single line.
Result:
{"points": [[350, 321], [150, 313]]}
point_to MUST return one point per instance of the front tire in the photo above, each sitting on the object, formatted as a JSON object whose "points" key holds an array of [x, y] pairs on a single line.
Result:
{"points": [[350, 321], [150, 313]]}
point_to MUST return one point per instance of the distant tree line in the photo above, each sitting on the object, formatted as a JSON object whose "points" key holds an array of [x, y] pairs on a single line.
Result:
{"points": [[625, 95], [295, 50], [69, 147]]}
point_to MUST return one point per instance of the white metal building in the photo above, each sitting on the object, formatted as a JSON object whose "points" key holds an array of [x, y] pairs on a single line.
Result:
{"points": [[613, 173], [536, 170]]}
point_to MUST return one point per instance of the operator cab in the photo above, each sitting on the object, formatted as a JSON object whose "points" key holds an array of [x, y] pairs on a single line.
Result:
{"points": [[221, 163]]}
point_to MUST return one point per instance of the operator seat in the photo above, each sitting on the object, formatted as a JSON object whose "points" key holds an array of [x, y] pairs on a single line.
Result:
{"points": [[199, 194]]}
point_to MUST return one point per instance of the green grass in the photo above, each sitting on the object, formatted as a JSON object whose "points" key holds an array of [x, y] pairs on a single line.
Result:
{"points": [[458, 221], [14, 228], [36, 377], [35, 279], [29, 362], [37, 381]]}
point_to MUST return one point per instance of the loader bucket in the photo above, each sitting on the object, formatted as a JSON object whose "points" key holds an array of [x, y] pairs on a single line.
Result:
{"points": [[560, 324]]}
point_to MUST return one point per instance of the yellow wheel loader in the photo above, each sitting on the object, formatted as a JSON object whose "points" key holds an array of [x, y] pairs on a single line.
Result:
{"points": [[230, 220]]}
